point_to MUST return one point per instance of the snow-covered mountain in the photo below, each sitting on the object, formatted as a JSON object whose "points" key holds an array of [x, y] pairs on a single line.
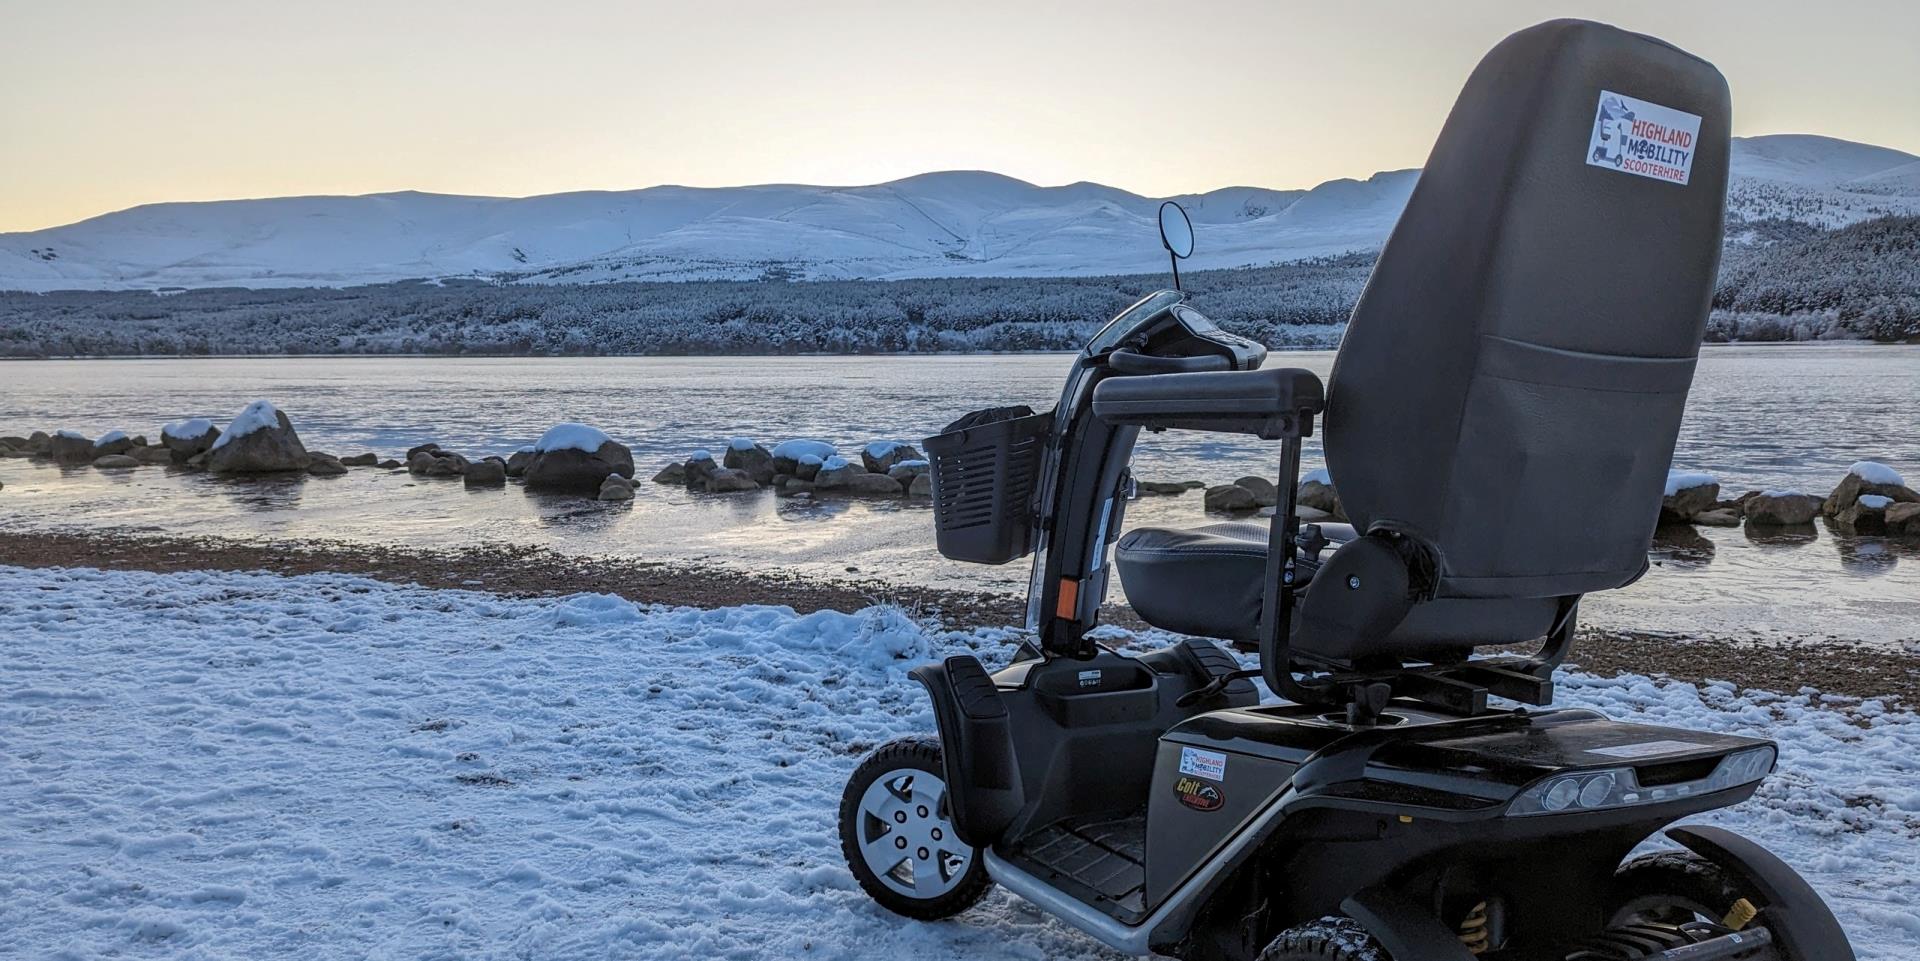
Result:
{"points": [[963, 223]]}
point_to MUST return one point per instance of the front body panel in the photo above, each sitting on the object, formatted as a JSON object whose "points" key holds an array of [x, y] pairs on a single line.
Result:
{"points": [[1431, 792]]}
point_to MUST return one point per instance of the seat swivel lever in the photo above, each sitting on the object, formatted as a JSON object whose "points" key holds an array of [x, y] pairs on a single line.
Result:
{"points": [[1311, 540], [1213, 688]]}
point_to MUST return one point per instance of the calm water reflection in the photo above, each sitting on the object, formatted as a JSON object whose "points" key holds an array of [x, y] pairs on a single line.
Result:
{"points": [[1759, 417]]}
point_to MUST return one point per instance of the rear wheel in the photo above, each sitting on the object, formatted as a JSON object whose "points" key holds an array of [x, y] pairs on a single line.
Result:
{"points": [[1328, 939], [1676, 887], [896, 832]]}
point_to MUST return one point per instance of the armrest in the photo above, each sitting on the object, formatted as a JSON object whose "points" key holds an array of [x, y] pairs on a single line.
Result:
{"points": [[1261, 402]]}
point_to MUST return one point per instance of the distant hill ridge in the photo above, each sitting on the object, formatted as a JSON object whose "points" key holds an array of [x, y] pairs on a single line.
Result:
{"points": [[949, 224]]}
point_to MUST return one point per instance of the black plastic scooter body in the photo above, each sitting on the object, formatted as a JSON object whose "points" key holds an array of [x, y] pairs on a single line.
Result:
{"points": [[1046, 738], [1422, 807], [1421, 766], [1249, 819]]}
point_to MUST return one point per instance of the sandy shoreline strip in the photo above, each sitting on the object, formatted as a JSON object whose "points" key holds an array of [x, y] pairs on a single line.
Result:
{"points": [[1833, 669]]}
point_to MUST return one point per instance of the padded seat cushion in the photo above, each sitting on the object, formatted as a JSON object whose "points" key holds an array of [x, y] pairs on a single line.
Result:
{"points": [[1207, 581]]}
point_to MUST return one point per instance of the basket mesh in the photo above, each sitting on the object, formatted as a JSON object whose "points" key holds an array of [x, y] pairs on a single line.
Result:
{"points": [[983, 488]]}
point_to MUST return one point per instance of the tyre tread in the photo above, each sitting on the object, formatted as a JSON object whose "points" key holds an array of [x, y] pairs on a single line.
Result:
{"points": [[925, 752], [1328, 939]]}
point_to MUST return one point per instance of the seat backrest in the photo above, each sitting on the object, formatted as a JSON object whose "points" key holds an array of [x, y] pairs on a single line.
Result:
{"points": [[1511, 384]]}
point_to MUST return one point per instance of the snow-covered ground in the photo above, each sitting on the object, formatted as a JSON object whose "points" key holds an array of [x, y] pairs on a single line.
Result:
{"points": [[251, 766]]}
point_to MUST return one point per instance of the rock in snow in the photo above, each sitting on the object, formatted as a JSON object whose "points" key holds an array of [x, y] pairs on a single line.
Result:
{"points": [[576, 458], [745, 455], [1265, 493], [1166, 487], [517, 463], [616, 488], [325, 465], [259, 441], [880, 456], [487, 472], [1688, 494], [112, 442], [1903, 520], [730, 479], [329, 766], [1317, 491], [1874, 472], [578, 437], [699, 466], [1867, 479], [789, 455], [68, 447], [1230, 497], [1781, 509], [186, 438]]}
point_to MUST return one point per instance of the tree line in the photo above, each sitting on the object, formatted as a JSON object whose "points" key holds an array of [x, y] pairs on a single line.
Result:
{"points": [[1779, 280]]}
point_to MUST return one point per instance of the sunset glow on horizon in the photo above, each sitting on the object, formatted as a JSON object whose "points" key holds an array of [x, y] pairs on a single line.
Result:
{"points": [[106, 106]]}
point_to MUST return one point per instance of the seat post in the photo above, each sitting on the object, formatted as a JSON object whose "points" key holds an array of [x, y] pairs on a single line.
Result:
{"points": [[1276, 601]]}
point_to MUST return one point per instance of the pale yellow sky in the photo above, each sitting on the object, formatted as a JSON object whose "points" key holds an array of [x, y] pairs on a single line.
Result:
{"points": [[105, 105]]}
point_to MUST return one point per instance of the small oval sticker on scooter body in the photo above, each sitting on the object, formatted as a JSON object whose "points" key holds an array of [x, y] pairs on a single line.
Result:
{"points": [[1199, 795]]}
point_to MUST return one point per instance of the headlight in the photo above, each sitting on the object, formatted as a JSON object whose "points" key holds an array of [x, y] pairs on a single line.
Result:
{"points": [[1741, 767], [1620, 787]]}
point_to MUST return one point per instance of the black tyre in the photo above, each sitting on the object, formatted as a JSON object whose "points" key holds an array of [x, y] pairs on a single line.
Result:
{"points": [[1675, 887], [896, 832], [1328, 939]]}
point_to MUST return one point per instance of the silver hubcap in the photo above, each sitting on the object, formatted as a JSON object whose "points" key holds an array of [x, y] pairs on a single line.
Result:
{"points": [[906, 835]]}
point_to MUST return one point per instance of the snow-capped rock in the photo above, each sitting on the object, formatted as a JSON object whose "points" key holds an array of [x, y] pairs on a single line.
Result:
{"points": [[1867, 479], [880, 456], [261, 440], [744, 454], [576, 458]]}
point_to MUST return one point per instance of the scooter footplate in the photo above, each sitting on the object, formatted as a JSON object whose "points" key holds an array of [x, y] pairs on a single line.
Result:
{"points": [[1101, 861]]}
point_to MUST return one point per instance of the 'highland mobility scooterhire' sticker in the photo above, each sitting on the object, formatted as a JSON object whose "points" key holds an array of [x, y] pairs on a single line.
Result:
{"points": [[1211, 765], [1637, 137]]}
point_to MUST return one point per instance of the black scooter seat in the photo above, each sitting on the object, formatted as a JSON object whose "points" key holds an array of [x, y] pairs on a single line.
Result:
{"points": [[1207, 581]]}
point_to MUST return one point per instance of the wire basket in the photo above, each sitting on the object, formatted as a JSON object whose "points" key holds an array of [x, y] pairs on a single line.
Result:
{"points": [[984, 481]]}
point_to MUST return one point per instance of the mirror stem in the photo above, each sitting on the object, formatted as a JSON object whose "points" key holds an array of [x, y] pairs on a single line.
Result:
{"points": [[1175, 261]]}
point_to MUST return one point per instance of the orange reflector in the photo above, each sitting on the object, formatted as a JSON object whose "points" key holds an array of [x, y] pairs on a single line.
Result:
{"points": [[1069, 598]]}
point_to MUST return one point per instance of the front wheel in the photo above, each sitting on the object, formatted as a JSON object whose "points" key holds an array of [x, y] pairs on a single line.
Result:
{"points": [[896, 832], [1677, 887], [1328, 939]]}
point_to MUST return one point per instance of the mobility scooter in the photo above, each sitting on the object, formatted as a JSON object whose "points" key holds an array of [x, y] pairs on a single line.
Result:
{"points": [[1499, 423]]}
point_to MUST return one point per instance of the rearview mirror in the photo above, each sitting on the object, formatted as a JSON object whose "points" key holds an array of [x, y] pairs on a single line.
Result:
{"points": [[1176, 231], [1176, 234]]}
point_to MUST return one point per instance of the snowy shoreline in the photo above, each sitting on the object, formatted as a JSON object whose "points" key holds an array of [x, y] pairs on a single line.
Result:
{"points": [[250, 765], [1608, 644]]}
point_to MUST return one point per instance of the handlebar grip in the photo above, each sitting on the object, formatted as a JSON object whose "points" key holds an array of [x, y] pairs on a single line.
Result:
{"points": [[1133, 362]]}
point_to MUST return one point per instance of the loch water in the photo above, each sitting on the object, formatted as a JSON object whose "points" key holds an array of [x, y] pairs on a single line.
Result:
{"points": [[1759, 417]]}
